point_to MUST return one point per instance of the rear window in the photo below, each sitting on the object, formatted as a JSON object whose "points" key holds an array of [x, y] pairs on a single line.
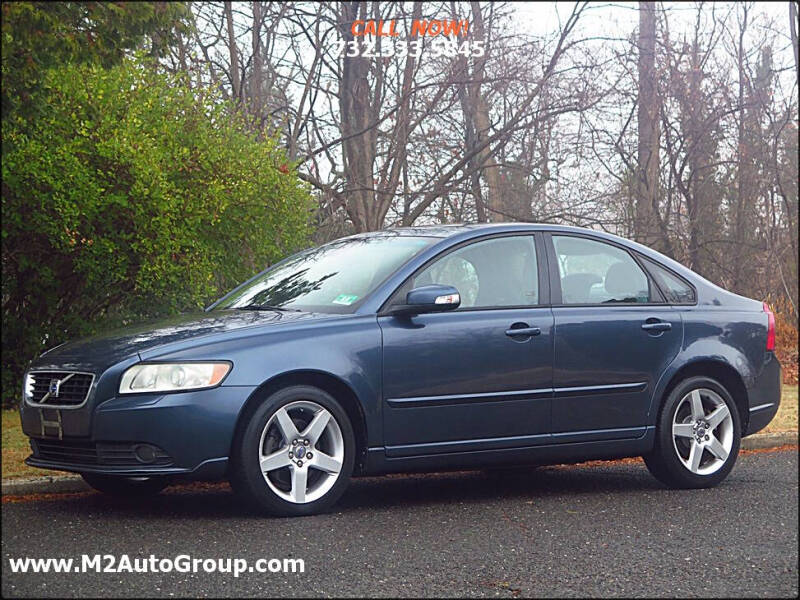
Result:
{"points": [[676, 289]]}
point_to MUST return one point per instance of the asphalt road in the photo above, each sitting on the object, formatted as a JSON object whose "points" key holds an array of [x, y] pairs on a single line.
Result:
{"points": [[555, 531]]}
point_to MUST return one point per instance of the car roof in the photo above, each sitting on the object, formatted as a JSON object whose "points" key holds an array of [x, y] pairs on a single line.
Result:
{"points": [[463, 232], [450, 230], [456, 229]]}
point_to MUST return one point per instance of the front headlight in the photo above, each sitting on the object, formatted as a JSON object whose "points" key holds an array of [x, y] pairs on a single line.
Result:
{"points": [[171, 377], [27, 389]]}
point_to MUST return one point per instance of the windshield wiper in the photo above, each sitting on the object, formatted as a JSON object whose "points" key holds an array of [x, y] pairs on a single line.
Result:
{"points": [[267, 307]]}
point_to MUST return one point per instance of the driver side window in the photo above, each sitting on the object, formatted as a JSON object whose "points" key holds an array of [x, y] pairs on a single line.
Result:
{"points": [[492, 273]]}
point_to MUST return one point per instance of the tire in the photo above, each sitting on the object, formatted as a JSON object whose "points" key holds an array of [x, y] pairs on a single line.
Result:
{"points": [[116, 485], [694, 451], [288, 427]]}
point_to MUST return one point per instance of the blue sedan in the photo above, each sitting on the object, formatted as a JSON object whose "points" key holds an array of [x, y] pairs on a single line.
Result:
{"points": [[425, 348]]}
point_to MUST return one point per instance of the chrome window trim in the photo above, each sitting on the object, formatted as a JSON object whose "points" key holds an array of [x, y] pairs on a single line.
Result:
{"points": [[58, 406]]}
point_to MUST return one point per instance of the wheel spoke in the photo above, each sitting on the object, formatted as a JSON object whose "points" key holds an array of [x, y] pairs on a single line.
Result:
{"points": [[276, 460], [318, 424], [718, 416], [327, 463], [299, 477], [286, 425], [682, 430], [697, 405], [717, 449], [695, 454]]}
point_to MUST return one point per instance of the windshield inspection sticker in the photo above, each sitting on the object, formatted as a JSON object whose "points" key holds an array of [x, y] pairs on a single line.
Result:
{"points": [[346, 299]]}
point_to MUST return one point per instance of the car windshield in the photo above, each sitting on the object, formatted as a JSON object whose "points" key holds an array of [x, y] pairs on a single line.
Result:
{"points": [[333, 278]]}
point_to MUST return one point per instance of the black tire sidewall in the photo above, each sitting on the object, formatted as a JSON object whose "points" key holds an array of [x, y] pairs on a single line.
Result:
{"points": [[668, 466], [247, 476]]}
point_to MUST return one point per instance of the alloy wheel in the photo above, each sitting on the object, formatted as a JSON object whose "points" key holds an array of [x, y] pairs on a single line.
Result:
{"points": [[702, 431], [301, 451]]}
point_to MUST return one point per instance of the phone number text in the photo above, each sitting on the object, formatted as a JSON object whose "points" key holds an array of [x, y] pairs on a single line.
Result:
{"points": [[438, 47]]}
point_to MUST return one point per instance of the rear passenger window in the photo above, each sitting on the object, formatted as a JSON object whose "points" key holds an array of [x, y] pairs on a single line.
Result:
{"points": [[675, 289], [593, 272]]}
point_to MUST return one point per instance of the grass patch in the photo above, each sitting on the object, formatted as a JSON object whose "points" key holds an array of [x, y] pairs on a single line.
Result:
{"points": [[786, 419], [16, 448]]}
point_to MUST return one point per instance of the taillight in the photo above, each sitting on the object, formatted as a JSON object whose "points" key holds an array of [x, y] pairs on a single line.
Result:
{"points": [[770, 327]]}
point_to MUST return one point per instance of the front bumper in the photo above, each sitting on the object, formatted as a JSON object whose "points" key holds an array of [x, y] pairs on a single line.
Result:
{"points": [[191, 433], [764, 395]]}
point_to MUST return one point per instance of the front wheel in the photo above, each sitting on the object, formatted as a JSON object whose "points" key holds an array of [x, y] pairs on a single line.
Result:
{"points": [[296, 453], [697, 435], [115, 485]]}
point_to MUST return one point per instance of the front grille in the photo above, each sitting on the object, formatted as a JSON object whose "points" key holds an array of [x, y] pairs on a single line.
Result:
{"points": [[122, 454], [73, 388]]}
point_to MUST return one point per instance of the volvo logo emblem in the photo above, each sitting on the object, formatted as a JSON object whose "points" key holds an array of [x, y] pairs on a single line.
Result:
{"points": [[55, 386], [301, 452]]}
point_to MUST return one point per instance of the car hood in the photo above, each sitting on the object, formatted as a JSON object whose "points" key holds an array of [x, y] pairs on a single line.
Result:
{"points": [[101, 351]]}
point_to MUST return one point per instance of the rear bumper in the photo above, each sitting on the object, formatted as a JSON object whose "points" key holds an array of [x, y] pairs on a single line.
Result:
{"points": [[192, 432], [764, 395]]}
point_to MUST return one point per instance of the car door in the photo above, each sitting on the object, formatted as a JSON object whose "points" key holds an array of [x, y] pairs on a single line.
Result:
{"points": [[465, 380], [614, 337]]}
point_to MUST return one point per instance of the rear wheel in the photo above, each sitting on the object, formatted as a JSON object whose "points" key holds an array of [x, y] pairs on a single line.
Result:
{"points": [[697, 435], [296, 454], [115, 485]]}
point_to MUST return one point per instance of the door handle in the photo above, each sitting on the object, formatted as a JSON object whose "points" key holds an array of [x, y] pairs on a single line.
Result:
{"points": [[657, 326], [523, 331]]}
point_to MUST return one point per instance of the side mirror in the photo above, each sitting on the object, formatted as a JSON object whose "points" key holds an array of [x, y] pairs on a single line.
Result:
{"points": [[428, 299]]}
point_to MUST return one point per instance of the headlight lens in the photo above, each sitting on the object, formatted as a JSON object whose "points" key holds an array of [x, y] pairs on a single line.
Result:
{"points": [[170, 377], [27, 389]]}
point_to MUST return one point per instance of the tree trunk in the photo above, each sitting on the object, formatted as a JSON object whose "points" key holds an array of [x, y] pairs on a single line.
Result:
{"points": [[793, 32], [480, 118], [649, 132], [235, 80], [743, 171], [359, 138], [256, 91]]}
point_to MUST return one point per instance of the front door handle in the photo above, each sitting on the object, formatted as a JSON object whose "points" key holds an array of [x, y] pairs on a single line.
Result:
{"points": [[523, 332], [657, 326]]}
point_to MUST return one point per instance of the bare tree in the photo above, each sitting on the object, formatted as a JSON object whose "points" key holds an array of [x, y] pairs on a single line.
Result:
{"points": [[793, 32], [232, 49], [648, 127], [681, 133]]}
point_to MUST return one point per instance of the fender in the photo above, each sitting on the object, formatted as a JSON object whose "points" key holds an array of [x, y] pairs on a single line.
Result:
{"points": [[702, 351], [347, 348]]}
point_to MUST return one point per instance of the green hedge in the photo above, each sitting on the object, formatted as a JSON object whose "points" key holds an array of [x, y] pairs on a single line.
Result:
{"points": [[130, 196]]}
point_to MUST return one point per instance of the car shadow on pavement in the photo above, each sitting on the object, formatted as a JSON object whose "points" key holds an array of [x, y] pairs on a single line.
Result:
{"points": [[522, 483], [203, 500]]}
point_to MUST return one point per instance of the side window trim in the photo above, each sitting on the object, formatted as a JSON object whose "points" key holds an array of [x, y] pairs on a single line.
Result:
{"points": [[641, 259], [541, 267], [555, 277]]}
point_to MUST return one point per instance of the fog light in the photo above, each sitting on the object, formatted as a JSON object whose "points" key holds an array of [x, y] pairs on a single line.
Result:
{"points": [[145, 453]]}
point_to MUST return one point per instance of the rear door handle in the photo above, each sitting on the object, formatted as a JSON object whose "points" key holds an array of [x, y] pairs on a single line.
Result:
{"points": [[658, 326], [524, 331]]}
